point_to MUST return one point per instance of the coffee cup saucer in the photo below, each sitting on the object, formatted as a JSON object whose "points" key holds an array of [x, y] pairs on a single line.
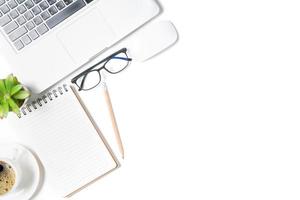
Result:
{"points": [[30, 171]]}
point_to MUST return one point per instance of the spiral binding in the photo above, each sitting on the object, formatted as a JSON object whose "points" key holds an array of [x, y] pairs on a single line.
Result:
{"points": [[44, 99]]}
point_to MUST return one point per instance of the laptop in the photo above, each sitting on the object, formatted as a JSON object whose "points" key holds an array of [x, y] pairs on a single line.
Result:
{"points": [[43, 41]]}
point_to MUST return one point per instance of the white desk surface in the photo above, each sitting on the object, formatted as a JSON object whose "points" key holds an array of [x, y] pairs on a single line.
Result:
{"points": [[216, 116]]}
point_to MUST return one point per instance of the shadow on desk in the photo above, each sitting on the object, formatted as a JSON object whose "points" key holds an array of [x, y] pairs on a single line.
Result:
{"points": [[42, 174]]}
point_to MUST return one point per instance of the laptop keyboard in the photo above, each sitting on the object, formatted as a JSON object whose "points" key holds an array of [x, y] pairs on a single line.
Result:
{"points": [[24, 21]]}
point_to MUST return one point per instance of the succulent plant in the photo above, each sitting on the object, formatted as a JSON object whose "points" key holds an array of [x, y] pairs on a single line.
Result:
{"points": [[12, 96]]}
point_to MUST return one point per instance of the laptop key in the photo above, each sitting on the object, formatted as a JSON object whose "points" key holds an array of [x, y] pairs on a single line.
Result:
{"points": [[10, 27], [37, 20], [21, 9], [5, 9], [4, 20], [17, 33], [12, 4], [37, 1], [67, 2], [19, 45], [53, 10], [51, 2], [21, 20], [20, 1], [2, 2], [28, 15], [64, 14], [26, 39], [14, 14], [44, 5], [45, 15], [33, 34], [29, 4], [30, 25], [42, 29], [36, 10], [60, 5]]}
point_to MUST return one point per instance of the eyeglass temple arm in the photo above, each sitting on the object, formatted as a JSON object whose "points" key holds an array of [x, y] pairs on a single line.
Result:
{"points": [[122, 58]]}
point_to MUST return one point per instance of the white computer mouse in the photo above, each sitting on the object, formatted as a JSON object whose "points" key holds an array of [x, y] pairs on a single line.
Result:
{"points": [[152, 40]]}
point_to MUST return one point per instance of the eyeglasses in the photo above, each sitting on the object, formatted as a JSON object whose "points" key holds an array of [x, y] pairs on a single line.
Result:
{"points": [[113, 64]]}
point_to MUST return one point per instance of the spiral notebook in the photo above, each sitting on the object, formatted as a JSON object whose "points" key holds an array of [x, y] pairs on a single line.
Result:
{"points": [[59, 129]]}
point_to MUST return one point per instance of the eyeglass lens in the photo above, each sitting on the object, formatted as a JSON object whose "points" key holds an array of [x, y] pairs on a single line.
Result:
{"points": [[117, 63], [89, 81]]}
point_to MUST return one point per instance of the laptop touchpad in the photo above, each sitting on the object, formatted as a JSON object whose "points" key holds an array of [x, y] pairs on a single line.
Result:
{"points": [[87, 36]]}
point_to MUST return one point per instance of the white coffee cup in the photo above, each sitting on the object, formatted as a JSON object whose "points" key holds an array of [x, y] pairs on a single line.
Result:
{"points": [[18, 175]]}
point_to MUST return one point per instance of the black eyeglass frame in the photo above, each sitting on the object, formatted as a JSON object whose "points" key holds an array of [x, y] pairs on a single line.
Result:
{"points": [[105, 61]]}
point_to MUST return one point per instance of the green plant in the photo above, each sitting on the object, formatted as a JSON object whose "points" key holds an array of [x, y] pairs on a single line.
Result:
{"points": [[12, 96]]}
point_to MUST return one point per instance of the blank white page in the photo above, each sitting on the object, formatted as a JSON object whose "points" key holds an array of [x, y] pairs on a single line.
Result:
{"points": [[70, 148]]}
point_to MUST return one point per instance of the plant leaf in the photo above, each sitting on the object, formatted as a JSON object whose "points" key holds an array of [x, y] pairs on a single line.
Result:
{"points": [[1, 112], [21, 95], [1, 98], [15, 89], [19, 102], [9, 82], [13, 106], [15, 80], [5, 107], [2, 87]]}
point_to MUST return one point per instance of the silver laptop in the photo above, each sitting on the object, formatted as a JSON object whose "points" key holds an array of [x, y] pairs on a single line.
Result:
{"points": [[45, 40]]}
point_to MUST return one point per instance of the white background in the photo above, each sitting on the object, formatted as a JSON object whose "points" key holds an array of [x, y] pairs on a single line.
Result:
{"points": [[216, 116]]}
